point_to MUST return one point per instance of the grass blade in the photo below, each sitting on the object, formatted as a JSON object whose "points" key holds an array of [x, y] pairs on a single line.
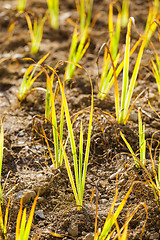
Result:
{"points": [[125, 72], [29, 223]]}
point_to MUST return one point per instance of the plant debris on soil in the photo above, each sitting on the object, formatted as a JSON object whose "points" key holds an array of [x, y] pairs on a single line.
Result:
{"points": [[27, 166]]}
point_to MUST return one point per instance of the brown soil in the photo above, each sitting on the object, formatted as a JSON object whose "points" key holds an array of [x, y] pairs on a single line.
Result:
{"points": [[26, 162]]}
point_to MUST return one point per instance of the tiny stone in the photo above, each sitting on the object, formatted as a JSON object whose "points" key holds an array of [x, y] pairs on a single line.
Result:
{"points": [[40, 200], [103, 200], [27, 195], [40, 214], [89, 236], [133, 117]]}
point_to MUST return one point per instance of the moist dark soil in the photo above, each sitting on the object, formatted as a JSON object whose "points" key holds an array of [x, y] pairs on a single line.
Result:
{"points": [[27, 166]]}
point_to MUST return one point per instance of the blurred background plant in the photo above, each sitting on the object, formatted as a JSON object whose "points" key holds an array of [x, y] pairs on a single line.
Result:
{"points": [[125, 13], [36, 31], [84, 8], [53, 7], [154, 14], [77, 50], [21, 4]]}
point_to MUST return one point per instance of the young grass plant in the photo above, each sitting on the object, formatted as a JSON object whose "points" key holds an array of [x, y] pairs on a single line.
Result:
{"points": [[21, 5], [84, 7], [114, 35], [77, 50], [23, 228], [152, 15], [80, 166], [3, 223], [127, 88], [111, 220], [155, 186], [154, 180], [142, 142], [36, 32], [58, 159], [53, 7], [29, 78]]}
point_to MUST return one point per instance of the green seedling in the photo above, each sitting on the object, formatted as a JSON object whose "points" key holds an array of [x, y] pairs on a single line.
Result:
{"points": [[58, 159], [29, 78], [154, 180], [142, 142], [152, 15], [80, 166], [84, 7], [23, 228], [3, 223], [77, 50], [127, 88], [122, 114], [156, 186], [111, 220], [21, 5], [36, 32], [107, 71], [53, 7], [125, 12], [1, 159], [156, 70]]}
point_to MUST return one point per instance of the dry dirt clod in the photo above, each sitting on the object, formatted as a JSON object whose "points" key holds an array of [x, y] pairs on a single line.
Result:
{"points": [[73, 230]]}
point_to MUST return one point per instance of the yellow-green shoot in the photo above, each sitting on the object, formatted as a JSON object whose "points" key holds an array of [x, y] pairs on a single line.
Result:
{"points": [[1, 159], [152, 15], [123, 113], [77, 50], [107, 71], [81, 161], [57, 160], [142, 143], [84, 7], [29, 78], [23, 228], [156, 70], [36, 32], [154, 180], [21, 5], [108, 231], [125, 12], [53, 7], [3, 223], [156, 186]]}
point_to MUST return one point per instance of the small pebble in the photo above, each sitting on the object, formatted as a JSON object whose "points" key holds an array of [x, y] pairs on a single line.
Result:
{"points": [[89, 236], [40, 214], [73, 230], [27, 195]]}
